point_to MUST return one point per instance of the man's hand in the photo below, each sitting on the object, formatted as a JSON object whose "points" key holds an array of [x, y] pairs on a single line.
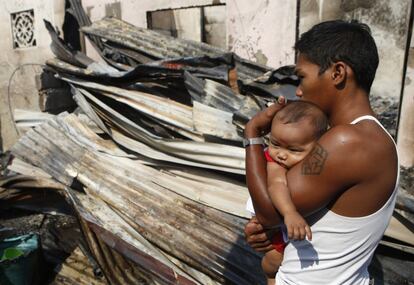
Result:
{"points": [[297, 228], [260, 124], [257, 237]]}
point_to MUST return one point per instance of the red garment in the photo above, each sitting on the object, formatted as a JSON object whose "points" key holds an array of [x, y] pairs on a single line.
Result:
{"points": [[278, 242], [267, 155]]}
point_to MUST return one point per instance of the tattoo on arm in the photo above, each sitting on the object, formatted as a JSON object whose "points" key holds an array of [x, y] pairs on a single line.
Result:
{"points": [[314, 162]]}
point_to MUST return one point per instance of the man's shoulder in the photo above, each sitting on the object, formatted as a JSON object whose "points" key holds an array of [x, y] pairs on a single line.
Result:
{"points": [[349, 135], [342, 137], [351, 141]]}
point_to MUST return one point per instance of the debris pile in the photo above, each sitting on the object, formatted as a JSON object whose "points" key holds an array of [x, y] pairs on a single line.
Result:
{"points": [[151, 159]]}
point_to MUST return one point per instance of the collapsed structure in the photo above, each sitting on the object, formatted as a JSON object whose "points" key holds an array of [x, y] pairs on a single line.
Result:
{"points": [[151, 158]]}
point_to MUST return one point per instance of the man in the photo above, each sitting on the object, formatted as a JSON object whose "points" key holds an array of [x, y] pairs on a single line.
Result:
{"points": [[346, 187]]}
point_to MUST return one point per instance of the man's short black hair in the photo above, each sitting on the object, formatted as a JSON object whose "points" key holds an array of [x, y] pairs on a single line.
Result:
{"points": [[297, 111], [350, 42]]}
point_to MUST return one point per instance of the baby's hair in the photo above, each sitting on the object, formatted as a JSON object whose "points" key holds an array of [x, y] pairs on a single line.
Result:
{"points": [[300, 110]]}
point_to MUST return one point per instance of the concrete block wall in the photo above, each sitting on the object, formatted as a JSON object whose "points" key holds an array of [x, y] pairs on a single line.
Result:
{"points": [[262, 31], [406, 124], [23, 90]]}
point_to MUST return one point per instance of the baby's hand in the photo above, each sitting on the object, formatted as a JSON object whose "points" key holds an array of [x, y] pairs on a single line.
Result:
{"points": [[297, 228]]}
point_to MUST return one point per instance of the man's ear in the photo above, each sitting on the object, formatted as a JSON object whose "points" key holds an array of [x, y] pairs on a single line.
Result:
{"points": [[339, 74]]}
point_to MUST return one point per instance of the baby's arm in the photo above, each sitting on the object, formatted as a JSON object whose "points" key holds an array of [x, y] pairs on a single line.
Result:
{"points": [[279, 193]]}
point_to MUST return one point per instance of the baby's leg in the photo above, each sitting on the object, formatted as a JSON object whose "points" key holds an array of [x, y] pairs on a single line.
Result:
{"points": [[270, 264]]}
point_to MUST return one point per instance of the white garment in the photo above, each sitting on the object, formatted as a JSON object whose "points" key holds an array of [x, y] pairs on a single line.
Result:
{"points": [[341, 248], [249, 203], [282, 228], [249, 206]]}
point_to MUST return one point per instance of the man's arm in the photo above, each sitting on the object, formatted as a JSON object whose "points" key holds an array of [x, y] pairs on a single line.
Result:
{"points": [[332, 167], [256, 175], [256, 178]]}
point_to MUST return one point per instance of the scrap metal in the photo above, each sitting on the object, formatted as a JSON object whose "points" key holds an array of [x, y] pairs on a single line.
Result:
{"points": [[152, 161]]}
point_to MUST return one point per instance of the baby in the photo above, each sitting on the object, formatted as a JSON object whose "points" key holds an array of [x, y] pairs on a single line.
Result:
{"points": [[294, 133]]}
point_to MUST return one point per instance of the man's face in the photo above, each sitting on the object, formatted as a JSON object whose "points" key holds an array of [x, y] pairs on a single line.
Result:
{"points": [[290, 143], [313, 87]]}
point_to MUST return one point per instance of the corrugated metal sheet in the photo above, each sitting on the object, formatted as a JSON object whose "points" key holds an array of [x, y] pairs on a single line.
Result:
{"points": [[161, 46], [207, 240]]}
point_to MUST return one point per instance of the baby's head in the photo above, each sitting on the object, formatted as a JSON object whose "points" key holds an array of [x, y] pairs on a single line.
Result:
{"points": [[295, 131]]}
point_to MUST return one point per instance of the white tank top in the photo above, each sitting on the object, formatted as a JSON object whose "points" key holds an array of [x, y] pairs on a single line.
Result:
{"points": [[341, 248]]}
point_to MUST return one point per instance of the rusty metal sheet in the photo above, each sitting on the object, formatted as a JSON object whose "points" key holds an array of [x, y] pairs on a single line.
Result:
{"points": [[161, 46], [63, 51], [202, 237]]}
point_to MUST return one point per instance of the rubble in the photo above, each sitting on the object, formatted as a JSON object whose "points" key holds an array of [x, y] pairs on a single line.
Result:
{"points": [[151, 161]]}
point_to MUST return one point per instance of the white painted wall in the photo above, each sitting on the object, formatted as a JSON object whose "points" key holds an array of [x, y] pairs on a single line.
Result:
{"points": [[134, 12], [23, 91], [389, 29], [406, 126], [405, 136], [262, 31]]}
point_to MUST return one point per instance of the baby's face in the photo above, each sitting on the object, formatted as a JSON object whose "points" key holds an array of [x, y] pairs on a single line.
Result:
{"points": [[290, 143]]}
